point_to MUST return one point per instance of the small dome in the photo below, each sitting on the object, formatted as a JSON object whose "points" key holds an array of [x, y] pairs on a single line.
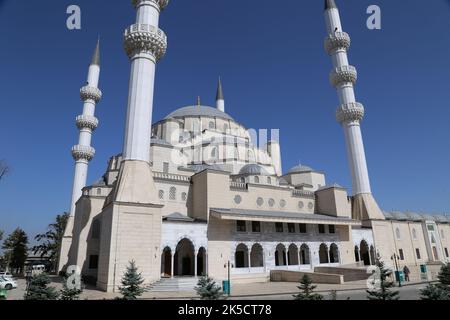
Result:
{"points": [[300, 169], [198, 111], [253, 169]]}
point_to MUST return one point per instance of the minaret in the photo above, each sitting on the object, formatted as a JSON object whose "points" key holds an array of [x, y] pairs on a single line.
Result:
{"points": [[145, 44], [349, 114], [132, 214], [83, 152], [220, 101]]}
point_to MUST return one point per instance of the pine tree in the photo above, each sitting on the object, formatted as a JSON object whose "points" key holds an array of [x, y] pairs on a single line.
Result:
{"points": [[16, 249], [70, 290], [440, 291], [307, 290], [384, 291], [208, 289], [132, 282], [39, 289]]}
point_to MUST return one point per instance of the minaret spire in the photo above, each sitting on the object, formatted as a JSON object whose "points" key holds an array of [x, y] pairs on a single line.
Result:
{"points": [[349, 114], [220, 100], [96, 55]]}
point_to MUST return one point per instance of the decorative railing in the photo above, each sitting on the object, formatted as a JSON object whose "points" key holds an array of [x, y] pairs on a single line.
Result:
{"points": [[171, 177], [238, 185], [302, 193]]}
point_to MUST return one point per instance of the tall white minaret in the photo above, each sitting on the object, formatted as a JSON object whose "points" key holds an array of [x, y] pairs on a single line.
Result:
{"points": [[83, 152], [349, 114], [144, 44], [220, 100]]}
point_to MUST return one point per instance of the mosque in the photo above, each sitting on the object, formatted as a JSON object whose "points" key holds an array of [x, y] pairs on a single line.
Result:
{"points": [[195, 193]]}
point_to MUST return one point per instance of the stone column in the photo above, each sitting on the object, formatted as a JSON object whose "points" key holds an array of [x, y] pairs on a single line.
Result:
{"points": [[172, 264]]}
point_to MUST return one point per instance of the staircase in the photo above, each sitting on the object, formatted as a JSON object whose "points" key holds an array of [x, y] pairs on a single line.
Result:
{"points": [[185, 284], [350, 274]]}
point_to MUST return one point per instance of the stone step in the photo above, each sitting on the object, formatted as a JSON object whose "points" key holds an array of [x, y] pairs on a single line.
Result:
{"points": [[174, 284]]}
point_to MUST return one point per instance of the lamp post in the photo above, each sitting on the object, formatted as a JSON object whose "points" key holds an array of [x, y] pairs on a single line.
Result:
{"points": [[395, 257], [228, 265]]}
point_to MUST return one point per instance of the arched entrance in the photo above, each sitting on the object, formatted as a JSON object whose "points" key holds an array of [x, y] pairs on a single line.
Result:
{"points": [[257, 256], [293, 255], [184, 259], [364, 253], [334, 253], [241, 256], [304, 255], [201, 262], [280, 255], [166, 263], [323, 253]]}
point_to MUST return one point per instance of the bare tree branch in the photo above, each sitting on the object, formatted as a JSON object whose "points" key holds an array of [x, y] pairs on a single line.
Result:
{"points": [[4, 169]]}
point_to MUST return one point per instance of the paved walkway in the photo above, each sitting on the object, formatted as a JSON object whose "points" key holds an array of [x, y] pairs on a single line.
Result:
{"points": [[269, 290]]}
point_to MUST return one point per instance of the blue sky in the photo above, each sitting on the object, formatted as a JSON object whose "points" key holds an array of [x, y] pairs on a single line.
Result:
{"points": [[275, 75]]}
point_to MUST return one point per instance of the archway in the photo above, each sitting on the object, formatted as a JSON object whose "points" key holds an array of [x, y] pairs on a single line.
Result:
{"points": [[166, 263], [323, 253], [257, 256], [334, 253], [241, 256], [184, 263], [304, 255], [293, 255], [201, 262], [280, 255], [357, 259], [364, 253]]}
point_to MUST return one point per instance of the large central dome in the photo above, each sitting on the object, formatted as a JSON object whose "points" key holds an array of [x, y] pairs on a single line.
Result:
{"points": [[198, 111]]}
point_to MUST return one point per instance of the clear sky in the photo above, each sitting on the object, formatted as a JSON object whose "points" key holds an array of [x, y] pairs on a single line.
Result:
{"points": [[275, 75]]}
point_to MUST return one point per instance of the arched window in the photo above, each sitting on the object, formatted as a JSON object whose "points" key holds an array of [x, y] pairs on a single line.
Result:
{"points": [[184, 196], [242, 180], [280, 255], [414, 234], [161, 194], [256, 179], [225, 127], [212, 125], [397, 233], [99, 191], [214, 153], [269, 180], [293, 255], [173, 193]]}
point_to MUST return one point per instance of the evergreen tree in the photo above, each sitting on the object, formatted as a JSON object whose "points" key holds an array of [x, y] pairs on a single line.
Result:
{"points": [[39, 289], [16, 250], [384, 291], [132, 282], [50, 241], [440, 291], [70, 290], [208, 289], [307, 290]]}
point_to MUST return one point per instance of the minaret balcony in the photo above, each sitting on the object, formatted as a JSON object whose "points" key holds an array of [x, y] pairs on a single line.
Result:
{"points": [[161, 3], [90, 93], [80, 152], [336, 41], [349, 112], [344, 74], [140, 38], [87, 122]]}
